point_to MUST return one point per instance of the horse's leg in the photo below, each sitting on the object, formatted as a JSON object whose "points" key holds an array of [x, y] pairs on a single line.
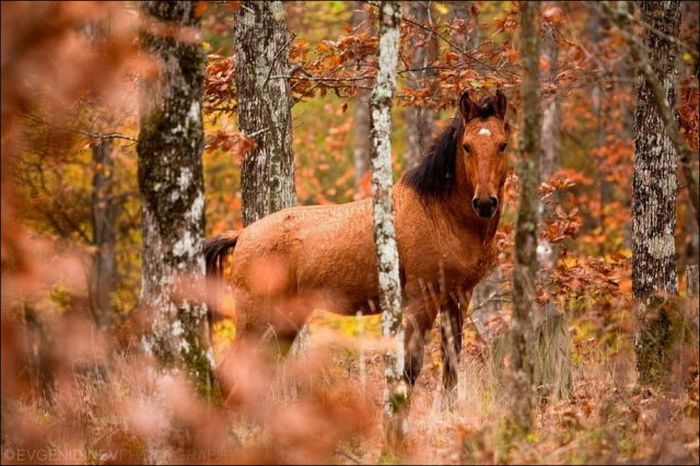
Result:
{"points": [[451, 323], [289, 314], [418, 324], [280, 338]]}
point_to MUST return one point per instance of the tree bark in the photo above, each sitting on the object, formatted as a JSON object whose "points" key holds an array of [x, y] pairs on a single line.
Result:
{"points": [[396, 391], [104, 223], [525, 267], [654, 183], [171, 184], [654, 196], [420, 119], [361, 149], [261, 51]]}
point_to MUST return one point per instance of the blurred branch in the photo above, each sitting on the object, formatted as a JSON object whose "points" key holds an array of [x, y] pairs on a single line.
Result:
{"points": [[220, 109], [88, 134], [638, 51], [320, 79]]}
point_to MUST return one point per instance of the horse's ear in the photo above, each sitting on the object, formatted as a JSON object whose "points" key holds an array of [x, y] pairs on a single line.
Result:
{"points": [[467, 107], [500, 104]]}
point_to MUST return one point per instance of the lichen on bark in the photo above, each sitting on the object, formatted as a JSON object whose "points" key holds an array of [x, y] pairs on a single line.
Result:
{"points": [[171, 185], [654, 186], [396, 391]]}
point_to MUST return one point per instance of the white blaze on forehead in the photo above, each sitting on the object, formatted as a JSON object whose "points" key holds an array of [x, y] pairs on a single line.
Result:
{"points": [[484, 132]]}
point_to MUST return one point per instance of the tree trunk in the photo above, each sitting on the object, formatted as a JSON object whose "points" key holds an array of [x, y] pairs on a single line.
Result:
{"points": [[264, 109], [396, 391], [552, 370], [654, 182], [104, 223], [420, 119], [525, 267], [171, 184], [260, 49], [594, 27], [361, 149], [551, 144], [654, 195]]}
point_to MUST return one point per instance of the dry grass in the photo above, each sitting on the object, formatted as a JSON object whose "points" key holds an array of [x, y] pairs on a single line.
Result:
{"points": [[72, 394]]}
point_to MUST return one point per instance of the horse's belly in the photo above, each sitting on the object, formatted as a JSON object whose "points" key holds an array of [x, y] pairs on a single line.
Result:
{"points": [[342, 289]]}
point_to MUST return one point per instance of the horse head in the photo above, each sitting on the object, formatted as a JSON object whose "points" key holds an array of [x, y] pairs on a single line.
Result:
{"points": [[481, 155]]}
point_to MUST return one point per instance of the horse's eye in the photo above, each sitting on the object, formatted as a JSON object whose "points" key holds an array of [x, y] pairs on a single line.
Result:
{"points": [[502, 147], [466, 148]]}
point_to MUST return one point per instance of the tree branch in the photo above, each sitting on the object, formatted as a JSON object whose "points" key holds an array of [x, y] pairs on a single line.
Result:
{"points": [[88, 134]]}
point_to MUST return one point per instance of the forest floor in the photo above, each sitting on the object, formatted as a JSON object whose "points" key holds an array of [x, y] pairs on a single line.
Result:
{"points": [[607, 418], [324, 405]]}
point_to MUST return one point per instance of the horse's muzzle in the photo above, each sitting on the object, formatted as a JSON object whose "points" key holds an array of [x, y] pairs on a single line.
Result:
{"points": [[485, 207]]}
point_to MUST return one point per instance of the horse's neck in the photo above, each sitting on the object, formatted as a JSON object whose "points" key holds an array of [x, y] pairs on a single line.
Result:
{"points": [[452, 215], [457, 206]]}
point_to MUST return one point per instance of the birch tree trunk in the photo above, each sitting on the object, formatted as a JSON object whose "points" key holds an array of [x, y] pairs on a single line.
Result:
{"points": [[361, 149], [104, 223], [171, 184], [420, 119], [260, 48], [552, 371], [525, 268], [654, 195], [396, 391]]}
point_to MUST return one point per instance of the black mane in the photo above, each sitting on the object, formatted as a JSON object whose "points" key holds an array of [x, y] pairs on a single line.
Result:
{"points": [[434, 176]]}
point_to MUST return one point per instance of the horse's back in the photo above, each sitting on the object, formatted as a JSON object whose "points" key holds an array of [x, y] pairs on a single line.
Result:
{"points": [[325, 251]]}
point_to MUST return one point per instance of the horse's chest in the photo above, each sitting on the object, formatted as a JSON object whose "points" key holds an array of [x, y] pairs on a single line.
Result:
{"points": [[454, 261]]}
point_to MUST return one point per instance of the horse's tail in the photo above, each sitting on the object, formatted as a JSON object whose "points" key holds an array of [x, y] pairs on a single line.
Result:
{"points": [[216, 250]]}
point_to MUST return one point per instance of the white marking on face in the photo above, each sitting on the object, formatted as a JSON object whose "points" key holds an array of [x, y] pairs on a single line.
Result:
{"points": [[484, 132]]}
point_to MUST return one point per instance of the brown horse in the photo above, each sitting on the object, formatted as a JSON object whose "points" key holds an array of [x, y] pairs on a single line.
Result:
{"points": [[447, 210]]}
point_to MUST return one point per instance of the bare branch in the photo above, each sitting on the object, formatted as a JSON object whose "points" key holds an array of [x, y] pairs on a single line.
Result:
{"points": [[639, 56], [88, 134]]}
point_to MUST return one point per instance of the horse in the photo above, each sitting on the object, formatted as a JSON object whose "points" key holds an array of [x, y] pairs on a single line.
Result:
{"points": [[447, 210]]}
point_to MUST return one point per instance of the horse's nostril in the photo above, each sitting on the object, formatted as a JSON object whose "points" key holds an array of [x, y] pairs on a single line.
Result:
{"points": [[494, 201], [475, 203]]}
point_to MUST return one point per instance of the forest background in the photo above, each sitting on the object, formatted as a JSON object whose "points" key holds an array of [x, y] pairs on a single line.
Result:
{"points": [[72, 238]]}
